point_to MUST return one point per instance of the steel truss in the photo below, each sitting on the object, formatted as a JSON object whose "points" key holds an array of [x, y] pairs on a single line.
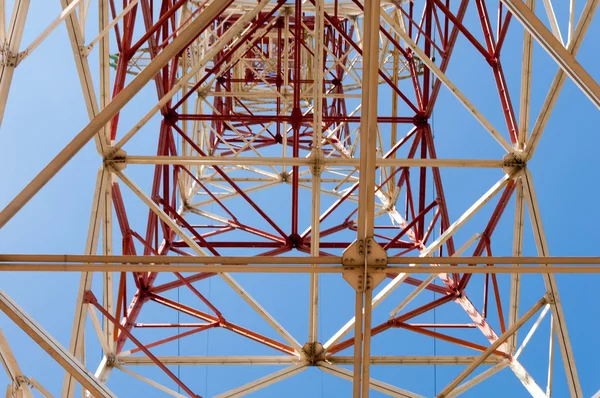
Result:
{"points": [[269, 102]]}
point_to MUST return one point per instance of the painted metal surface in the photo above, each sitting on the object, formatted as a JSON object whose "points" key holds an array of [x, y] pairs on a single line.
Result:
{"points": [[260, 104]]}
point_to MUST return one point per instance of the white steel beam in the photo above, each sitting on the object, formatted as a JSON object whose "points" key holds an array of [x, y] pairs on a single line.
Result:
{"points": [[544, 269], [550, 281], [11, 49], [263, 382], [36, 384], [316, 170], [366, 191], [478, 379], [2, 21], [53, 25], [104, 66], [74, 29], [150, 382], [517, 251], [107, 277], [368, 120], [359, 312], [200, 252], [122, 98], [85, 281], [211, 360], [526, 379], [448, 83], [109, 26], [234, 31], [525, 98], [8, 360], [430, 279], [102, 372], [493, 347], [550, 358], [53, 348], [563, 57], [553, 21], [61, 262], [307, 161], [98, 329], [531, 331], [571, 21], [375, 385], [559, 79], [394, 283], [415, 360]]}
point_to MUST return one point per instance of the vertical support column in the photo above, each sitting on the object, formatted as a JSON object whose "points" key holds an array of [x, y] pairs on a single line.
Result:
{"points": [[367, 320], [366, 193], [524, 106], [2, 21], [286, 67], [363, 261], [358, 339], [85, 282], [555, 48], [560, 326], [316, 168], [368, 120], [10, 45], [296, 116], [515, 279], [184, 178], [108, 287], [83, 69], [587, 15], [104, 49], [571, 21], [551, 358]]}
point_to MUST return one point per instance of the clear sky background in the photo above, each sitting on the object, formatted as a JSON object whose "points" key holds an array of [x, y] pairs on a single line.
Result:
{"points": [[46, 109]]}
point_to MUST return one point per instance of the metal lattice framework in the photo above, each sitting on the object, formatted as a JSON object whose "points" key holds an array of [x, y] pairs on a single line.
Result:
{"points": [[295, 137]]}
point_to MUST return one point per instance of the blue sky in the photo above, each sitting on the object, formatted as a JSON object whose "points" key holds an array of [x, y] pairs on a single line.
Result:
{"points": [[45, 110]]}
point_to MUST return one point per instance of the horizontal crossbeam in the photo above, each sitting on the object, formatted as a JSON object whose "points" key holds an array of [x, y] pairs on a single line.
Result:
{"points": [[243, 260], [291, 161], [307, 269]]}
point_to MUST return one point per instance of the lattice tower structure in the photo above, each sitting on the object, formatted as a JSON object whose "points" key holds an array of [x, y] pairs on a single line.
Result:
{"points": [[292, 151]]}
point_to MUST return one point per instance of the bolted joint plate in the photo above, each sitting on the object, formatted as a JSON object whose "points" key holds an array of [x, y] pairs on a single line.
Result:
{"points": [[361, 281], [313, 352], [19, 382], [9, 59], [118, 159], [550, 299], [367, 252], [513, 160], [359, 254], [316, 161]]}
